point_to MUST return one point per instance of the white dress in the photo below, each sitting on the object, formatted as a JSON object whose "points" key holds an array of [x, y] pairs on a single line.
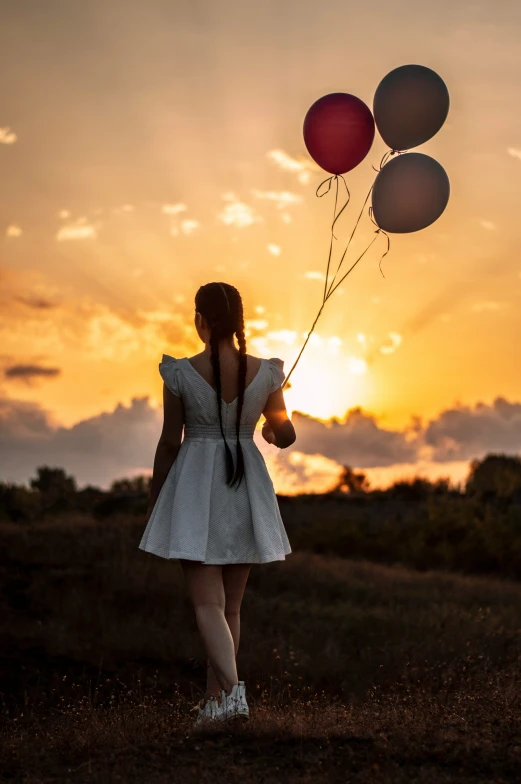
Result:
{"points": [[197, 515]]}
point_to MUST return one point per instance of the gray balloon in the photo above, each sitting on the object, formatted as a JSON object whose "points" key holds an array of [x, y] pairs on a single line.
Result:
{"points": [[410, 193], [410, 105]]}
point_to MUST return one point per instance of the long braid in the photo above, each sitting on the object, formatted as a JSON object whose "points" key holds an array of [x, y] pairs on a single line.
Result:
{"points": [[216, 365], [241, 339], [221, 306]]}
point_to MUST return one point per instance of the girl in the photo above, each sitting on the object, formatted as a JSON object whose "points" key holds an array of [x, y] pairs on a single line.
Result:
{"points": [[212, 503]]}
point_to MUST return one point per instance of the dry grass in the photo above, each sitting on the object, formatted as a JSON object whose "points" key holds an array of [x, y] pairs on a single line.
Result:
{"points": [[355, 672]]}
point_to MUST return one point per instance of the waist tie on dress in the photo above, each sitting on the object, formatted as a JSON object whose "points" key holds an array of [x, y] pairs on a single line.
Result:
{"points": [[213, 432]]}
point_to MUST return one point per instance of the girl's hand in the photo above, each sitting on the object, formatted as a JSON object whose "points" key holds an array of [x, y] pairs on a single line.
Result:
{"points": [[267, 433]]}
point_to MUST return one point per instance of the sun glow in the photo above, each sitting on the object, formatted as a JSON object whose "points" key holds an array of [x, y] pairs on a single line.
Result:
{"points": [[356, 366], [326, 386]]}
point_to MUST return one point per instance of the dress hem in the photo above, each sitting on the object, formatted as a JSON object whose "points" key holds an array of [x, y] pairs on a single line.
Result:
{"points": [[190, 557]]}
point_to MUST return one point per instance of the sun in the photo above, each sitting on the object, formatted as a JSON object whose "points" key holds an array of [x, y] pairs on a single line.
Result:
{"points": [[326, 387]]}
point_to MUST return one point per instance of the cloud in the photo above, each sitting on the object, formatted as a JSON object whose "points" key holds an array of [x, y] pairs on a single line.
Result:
{"points": [[358, 441], [465, 433], [36, 302], [302, 167], [396, 341], [281, 199], [236, 213], [189, 226], [258, 325], [13, 231], [30, 372], [173, 209], [296, 472], [7, 136], [480, 307], [285, 336], [76, 231], [124, 208], [275, 250], [488, 225], [314, 275], [121, 442], [96, 450], [515, 152], [64, 214]]}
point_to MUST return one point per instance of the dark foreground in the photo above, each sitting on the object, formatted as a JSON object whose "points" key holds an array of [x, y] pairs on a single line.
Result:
{"points": [[355, 672]]}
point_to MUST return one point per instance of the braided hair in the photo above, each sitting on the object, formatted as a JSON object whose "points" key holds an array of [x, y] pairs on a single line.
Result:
{"points": [[221, 306]]}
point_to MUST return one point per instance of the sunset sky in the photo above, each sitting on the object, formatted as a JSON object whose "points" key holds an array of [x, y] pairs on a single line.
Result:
{"points": [[148, 148]]}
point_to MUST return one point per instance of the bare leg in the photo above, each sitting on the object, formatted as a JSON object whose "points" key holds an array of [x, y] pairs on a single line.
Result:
{"points": [[235, 577], [206, 590]]}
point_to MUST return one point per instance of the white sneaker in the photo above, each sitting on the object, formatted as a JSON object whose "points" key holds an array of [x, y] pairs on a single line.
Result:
{"points": [[234, 705], [210, 712]]}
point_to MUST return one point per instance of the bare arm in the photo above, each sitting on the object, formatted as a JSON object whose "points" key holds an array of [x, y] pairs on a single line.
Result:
{"points": [[278, 428], [168, 445]]}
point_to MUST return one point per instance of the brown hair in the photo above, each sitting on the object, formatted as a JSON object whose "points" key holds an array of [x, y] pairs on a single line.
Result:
{"points": [[221, 306]]}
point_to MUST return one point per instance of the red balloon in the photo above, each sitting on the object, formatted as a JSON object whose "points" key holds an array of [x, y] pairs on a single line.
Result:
{"points": [[339, 131]]}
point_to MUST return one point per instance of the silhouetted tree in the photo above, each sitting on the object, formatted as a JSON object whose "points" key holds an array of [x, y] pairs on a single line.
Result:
{"points": [[496, 476], [18, 503], [57, 490], [136, 485], [351, 482]]}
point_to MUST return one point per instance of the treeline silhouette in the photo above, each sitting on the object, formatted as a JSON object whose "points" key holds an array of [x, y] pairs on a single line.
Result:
{"points": [[475, 527]]}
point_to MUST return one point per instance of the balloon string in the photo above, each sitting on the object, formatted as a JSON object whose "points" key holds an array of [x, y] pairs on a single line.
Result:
{"points": [[335, 218], [353, 266], [350, 238], [378, 231], [304, 346], [384, 160]]}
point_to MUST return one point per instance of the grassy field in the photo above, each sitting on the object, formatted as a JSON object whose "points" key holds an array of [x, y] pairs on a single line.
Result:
{"points": [[355, 672]]}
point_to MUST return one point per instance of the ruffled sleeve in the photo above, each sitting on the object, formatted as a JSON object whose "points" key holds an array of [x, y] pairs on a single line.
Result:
{"points": [[171, 374], [277, 373]]}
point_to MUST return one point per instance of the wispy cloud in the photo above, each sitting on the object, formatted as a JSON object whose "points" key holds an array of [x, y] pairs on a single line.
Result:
{"points": [[7, 136], [76, 231], [285, 336], [515, 152], [39, 303], [64, 214], [275, 250], [188, 226], [124, 208], [480, 307], [396, 340], [173, 209], [314, 275], [256, 324], [281, 199], [237, 213], [488, 225], [302, 167], [30, 372], [13, 231]]}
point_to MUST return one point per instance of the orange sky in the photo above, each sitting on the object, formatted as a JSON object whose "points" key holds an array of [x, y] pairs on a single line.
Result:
{"points": [[146, 150]]}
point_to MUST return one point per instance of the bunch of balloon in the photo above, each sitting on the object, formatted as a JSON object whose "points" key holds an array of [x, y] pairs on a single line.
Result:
{"points": [[411, 191]]}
